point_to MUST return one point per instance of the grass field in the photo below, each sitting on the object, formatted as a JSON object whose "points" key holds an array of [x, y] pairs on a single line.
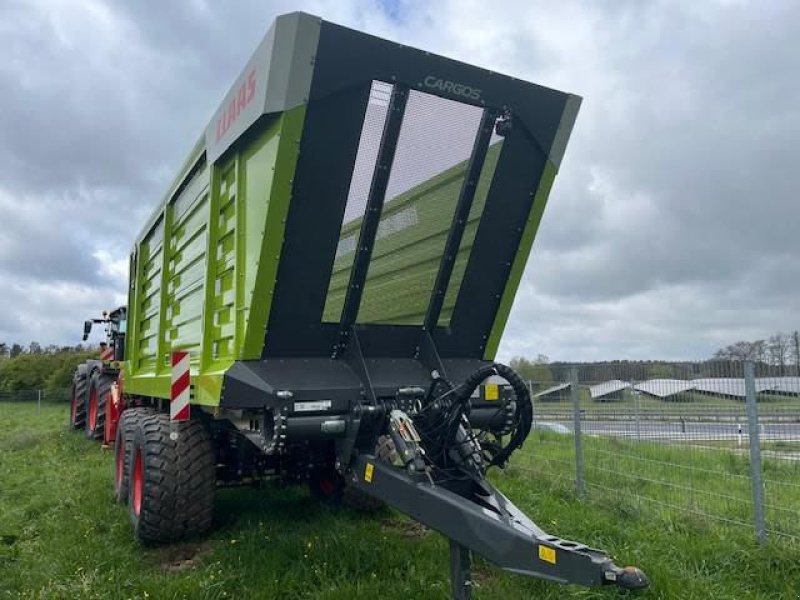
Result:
{"points": [[62, 537]]}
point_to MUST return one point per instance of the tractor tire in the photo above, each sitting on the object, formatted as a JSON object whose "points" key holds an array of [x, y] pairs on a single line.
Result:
{"points": [[353, 497], [172, 479], [77, 403], [123, 449], [96, 401]]}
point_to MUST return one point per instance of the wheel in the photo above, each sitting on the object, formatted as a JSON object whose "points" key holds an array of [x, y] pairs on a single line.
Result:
{"points": [[172, 478], [123, 449], [326, 485], [77, 403], [96, 400]]}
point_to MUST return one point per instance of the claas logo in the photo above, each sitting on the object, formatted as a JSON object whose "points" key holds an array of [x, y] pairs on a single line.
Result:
{"points": [[244, 95]]}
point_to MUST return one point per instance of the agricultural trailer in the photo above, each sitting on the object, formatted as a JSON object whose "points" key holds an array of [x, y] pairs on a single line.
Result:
{"points": [[320, 296]]}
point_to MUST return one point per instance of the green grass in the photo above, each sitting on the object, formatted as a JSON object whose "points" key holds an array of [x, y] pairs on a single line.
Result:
{"points": [[61, 536], [670, 481]]}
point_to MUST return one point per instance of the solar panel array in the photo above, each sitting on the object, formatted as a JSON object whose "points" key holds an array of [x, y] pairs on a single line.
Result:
{"points": [[721, 386]]}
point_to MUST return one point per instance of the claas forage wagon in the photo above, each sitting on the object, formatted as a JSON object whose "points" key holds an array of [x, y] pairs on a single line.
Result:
{"points": [[320, 296]]}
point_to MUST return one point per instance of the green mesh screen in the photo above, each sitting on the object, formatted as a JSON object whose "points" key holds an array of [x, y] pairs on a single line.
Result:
{"points": [[427, 174]]}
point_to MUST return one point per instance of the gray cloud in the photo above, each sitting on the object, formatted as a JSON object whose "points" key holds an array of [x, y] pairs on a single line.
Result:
{"points": [[671, 230]]}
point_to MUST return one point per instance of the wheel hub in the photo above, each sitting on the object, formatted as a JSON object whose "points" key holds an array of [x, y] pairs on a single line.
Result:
{"points": [[137, 482]]}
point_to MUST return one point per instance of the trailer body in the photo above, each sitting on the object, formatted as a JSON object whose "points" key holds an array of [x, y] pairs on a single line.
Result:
{"points": [[248, 256], [336, 262]]}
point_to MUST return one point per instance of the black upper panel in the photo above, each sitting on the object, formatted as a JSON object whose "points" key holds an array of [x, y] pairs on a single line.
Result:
{"points": [[346, 64]]}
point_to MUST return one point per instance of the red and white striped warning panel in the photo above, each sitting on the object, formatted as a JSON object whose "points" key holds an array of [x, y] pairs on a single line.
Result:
{"points": [[107, 353], [180, 391]]}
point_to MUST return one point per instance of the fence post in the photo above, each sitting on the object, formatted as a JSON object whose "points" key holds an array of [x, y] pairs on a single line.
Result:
{"points": [[637, 396], [755, 450], [580, 486]]}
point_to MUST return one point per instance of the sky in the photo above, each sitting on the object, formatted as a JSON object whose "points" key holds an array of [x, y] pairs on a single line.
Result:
{"points": [[672, 229]]}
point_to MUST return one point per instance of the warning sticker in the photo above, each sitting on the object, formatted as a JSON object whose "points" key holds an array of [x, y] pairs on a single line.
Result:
{"points": [[547, 554], [368, 472], [491, 391]]}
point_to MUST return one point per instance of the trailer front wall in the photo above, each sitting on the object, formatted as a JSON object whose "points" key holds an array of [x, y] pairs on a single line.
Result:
{"points": [[216, 244]]}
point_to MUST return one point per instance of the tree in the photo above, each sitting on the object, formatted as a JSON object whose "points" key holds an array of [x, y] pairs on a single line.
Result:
{"points": [[741, 351], [3, 350], [778, 349], [16, 350], [40, 371], [35, 348], [537, 370], [61, 376], [795, 337]]}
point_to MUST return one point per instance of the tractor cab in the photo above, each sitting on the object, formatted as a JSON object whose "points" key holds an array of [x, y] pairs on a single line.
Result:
{"points": [[116, 324]]}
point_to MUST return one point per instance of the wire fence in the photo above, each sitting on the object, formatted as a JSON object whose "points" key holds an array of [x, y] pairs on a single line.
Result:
{"points": [[51, 395], [716, 442]]}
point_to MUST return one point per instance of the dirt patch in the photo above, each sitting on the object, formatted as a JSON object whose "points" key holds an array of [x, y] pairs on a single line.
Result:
{"points": [[480, 573], [180, 557], [405, 527]]}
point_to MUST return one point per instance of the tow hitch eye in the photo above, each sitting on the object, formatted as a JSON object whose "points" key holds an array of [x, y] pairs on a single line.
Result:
{"points": [[629, 578]]}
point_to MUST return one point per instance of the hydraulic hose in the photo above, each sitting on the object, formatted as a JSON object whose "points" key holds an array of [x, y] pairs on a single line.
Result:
{"points": [[524, 413]]}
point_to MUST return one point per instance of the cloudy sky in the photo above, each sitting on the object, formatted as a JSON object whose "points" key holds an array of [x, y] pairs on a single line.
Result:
{"points": [[672, 228]]}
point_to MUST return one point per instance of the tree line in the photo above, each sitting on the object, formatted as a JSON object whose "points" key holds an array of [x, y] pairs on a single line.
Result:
{"points": [[775, 356], [780, 351], [37, 367]]}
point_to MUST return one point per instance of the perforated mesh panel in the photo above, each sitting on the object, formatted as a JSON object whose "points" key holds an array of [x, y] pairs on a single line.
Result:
{"points": [[366, 158], [433, 148], [468, 239]]}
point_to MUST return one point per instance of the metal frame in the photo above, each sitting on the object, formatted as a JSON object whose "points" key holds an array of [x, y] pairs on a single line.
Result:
{"points": [[372, 215], [456, 233], [490, 526], [348, 61]]}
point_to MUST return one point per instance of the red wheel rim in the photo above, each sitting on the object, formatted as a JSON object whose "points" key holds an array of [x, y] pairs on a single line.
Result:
{"points": [[327, 486], [92, 409], [137, 482], [120, 461]]}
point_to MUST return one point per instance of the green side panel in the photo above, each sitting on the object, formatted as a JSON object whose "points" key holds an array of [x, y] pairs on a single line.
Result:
{"points": [[270, 172], [183, 225], [148, 309], [183, 322], [521, 259], [205, 273]]}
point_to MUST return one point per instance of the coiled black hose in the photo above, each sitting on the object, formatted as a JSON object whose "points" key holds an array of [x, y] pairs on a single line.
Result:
{"points": [[524, 413]]}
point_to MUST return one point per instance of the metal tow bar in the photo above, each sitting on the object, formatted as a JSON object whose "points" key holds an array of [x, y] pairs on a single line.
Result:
{"points": [[493, 528]]}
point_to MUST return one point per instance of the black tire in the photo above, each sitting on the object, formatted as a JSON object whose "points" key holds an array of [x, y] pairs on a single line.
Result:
{"points": [[77, 403], [123, 450], [96, 400], [172, 479]]}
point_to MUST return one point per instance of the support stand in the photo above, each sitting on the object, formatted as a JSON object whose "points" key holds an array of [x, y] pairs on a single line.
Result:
{"points": [[459, 571]]}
